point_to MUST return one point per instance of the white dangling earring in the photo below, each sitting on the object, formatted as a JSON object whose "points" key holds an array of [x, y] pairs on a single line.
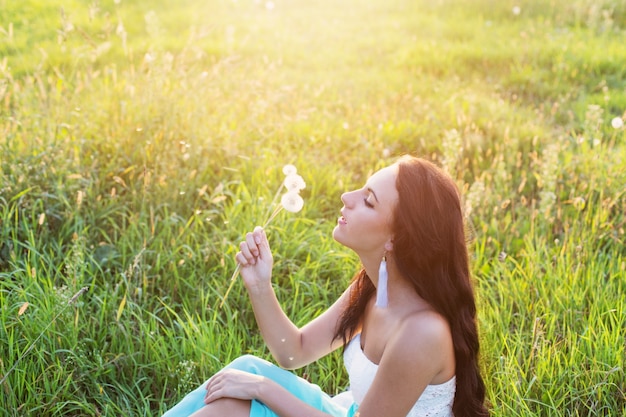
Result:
{"points": [[381, 290]]}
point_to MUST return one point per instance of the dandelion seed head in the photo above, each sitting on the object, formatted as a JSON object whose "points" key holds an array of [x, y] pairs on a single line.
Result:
{"points": [[289, 169], [292, 202], [516, 10], [617, 123], [294, 182]]}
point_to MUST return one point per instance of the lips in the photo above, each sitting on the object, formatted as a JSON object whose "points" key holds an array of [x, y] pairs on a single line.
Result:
{"points": [[342, 220]]}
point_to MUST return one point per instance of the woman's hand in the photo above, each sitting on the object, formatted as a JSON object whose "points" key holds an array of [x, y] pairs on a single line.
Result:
{"points": [[255, 259], [232, 383]]}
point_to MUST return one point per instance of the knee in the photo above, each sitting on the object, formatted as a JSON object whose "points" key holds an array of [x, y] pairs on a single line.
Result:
{"points": [[248, 363]]}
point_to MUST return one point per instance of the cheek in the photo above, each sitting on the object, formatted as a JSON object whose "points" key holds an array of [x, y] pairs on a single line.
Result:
{"points": [[376, 226], [366, 232]]}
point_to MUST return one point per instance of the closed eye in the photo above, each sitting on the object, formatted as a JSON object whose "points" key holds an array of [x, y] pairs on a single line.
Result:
{"points": [[367, 203]]}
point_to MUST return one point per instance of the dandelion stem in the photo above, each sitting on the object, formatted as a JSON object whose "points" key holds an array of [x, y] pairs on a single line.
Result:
{"points": [[32, 345], [275, 199], [274, 214]]}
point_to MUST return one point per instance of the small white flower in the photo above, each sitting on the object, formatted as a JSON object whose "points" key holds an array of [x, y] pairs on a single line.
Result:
{"points": [[294, 182], [516, 10], [617, 123], [289, 169], [292, 202]]}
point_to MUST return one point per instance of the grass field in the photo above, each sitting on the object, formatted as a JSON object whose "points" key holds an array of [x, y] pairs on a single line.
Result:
{"points": [[139, 140]]}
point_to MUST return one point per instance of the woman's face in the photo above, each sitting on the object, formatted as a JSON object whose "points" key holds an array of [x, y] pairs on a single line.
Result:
{"points": [[365, 222]]}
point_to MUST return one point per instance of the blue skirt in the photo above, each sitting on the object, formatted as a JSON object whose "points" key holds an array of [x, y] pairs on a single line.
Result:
{"points": [[301, 388]]}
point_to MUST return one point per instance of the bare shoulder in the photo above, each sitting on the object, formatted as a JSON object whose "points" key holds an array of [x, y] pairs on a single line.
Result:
{"points": [[423, 340], [426, 326]]}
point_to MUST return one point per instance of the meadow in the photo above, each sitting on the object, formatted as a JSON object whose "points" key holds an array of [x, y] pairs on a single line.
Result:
{"points": [[140, 140]]}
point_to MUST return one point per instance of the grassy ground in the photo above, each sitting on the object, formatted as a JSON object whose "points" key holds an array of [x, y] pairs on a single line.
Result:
{"points": [[140, 140]]}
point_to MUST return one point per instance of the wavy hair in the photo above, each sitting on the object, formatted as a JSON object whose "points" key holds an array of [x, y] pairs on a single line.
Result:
{"points": [[430, 251]]}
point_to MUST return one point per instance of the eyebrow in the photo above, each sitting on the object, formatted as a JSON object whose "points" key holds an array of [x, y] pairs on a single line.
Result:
{"points": [[373, 193]]}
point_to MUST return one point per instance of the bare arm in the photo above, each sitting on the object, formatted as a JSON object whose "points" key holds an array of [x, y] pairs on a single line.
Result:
{"points": [[231, 383], [283, 403], [291, 347]]}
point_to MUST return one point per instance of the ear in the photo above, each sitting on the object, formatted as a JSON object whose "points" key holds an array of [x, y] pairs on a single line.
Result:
{"points": [[389, 246]]}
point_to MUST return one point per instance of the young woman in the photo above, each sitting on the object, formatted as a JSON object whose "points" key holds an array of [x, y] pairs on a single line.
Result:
{"points": [[407, 320]]}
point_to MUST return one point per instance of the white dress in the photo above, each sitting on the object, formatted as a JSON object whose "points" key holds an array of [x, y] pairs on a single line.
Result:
{"points": [[435, 401]]}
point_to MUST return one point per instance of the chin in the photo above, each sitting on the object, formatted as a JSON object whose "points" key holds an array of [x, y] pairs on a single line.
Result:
{"points": [[338, 238], [335, 233]]}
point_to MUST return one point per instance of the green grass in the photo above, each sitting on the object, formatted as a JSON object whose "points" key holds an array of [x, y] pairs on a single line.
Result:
{"points": [[140, 140]]}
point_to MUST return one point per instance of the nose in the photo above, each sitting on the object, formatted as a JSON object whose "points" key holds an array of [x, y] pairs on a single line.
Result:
{"points": [[346, 198]]}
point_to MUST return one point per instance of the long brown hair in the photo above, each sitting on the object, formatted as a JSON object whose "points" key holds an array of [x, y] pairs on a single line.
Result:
{"points": [[430, 251]]}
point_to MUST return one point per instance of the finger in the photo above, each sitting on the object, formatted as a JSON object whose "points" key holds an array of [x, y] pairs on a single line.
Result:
{"points": [[240, 259], [258, 234], [211, 386], [264, 245], [251, 240], [246, 253], [212, 394], [210, 381]]}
